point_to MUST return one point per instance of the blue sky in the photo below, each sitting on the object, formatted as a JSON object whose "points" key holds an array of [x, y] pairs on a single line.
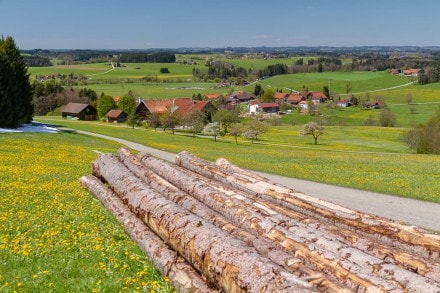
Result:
{"points": [[143, 24]]}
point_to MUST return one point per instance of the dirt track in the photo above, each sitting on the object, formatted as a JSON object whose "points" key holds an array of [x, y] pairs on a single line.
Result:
{"points": [[413, 212]]}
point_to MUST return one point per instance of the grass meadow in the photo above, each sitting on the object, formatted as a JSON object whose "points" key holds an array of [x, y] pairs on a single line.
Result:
{"points": [[365, 158], [54, 236]]}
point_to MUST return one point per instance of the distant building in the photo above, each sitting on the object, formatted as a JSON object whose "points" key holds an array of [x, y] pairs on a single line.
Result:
{"points": [[80, 111], [179, 106], [116, 116]]}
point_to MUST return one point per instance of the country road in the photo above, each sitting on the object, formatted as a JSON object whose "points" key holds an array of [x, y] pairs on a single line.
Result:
{"points": [[413, 212]]}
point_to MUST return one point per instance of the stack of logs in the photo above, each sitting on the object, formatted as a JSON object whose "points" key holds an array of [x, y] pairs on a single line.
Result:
{"points": [[213, 227]]}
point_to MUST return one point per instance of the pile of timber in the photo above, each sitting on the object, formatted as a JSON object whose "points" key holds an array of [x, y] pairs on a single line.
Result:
{"points": [[214, 227]]}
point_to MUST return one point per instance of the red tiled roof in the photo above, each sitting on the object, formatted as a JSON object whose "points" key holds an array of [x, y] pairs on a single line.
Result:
{"points": [[114, 113], [319, 95], [411, 71], [181, 106], [279, 95], [294, 97], [212, 96], [268, 105]]}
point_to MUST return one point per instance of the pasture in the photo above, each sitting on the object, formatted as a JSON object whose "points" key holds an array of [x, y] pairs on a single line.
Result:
{"points": [[54, 236], [366, 158]]}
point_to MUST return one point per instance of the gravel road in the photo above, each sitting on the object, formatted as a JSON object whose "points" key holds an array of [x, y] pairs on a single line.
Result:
{"points": [[410, 211]]}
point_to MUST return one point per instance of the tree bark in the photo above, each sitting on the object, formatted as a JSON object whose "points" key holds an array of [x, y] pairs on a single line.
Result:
{"points": [[412, 239], [264, 247], [182, 276], [357, 268], [225, 261]]}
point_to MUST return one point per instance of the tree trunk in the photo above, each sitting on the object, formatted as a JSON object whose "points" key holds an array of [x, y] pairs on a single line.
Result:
{"points": [[290, 237], [412, 239], [182, 276], [223, 260], [308, 243], [264, 247]]}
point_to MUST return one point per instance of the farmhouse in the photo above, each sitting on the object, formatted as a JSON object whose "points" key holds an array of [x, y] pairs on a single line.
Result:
{"points": [[116, 116], [80, 111], [179, 106], [279, 97], [318, 97], [257, 107], [294, 99], [412, 72], [241, 97]]}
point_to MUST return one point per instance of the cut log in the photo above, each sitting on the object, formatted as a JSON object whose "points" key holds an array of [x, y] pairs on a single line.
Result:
{"points": [[355, 267], [223, 260], [268, 249], [182, 276], [412, 239]]}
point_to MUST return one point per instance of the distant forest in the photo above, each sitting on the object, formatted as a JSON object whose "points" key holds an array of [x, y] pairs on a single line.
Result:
{"points": [[324, 59]]}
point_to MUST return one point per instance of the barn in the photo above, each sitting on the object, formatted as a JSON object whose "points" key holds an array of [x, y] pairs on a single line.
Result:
{"points": [[116, 116], [80, 111]]}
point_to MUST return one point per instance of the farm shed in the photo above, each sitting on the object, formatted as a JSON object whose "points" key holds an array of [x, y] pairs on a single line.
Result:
{"points": [[116, 116], [80, 111]]}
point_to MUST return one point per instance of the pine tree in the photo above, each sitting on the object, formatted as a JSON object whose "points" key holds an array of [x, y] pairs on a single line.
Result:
{"points": [[15, 89]]}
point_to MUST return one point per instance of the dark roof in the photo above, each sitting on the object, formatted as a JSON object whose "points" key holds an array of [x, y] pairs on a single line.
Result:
{"points": [[74, 107]]}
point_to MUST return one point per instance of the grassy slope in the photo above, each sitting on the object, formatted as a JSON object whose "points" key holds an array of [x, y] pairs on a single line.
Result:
{"points": [[54, 236], [364, 158]]}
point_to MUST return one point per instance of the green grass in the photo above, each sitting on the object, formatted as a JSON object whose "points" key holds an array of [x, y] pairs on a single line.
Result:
{"points": [[361, 82], [54, 236], [366, 158]]}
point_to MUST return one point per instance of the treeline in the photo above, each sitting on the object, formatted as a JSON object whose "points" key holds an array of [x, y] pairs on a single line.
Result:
{"points": [[50, 95], [220, 70], [37, 61], [158, 57], [272, 70]]}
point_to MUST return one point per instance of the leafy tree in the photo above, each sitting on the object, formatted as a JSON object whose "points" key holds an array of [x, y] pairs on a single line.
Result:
{"points": [[127, 104], [253, 129], [194, 120], [313, 129], [267, 96], [236, 130], [154, 120], [225, 118], [105, 104], [15, 89], [169, 120], [212, 129]]}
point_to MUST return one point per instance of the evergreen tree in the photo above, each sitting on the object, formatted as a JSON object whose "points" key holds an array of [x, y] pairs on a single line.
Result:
{"points": [[15, 89]]}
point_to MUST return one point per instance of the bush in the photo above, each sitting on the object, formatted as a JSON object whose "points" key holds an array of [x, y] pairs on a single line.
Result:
{"points": [[164, 70], [425, 139]]}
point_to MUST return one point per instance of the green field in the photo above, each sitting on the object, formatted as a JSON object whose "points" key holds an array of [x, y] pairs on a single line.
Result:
{"points": [[366, 158], [54, 236]]}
